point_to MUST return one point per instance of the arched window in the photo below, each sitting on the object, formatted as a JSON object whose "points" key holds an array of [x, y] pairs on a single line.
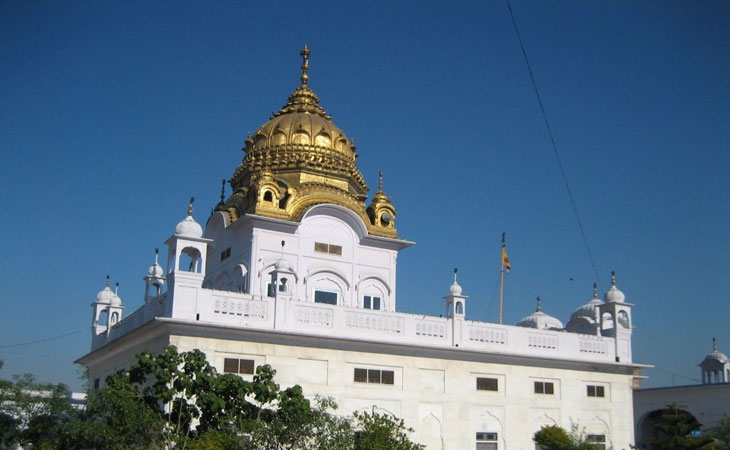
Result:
{"points": [[268, 196], [459, 308], [607, 321], [190, 260], [623, 319], [115, 318], [103, 318]]}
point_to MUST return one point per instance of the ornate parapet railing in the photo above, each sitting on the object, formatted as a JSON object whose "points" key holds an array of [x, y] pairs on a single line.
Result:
{"points": [[283, 314]]}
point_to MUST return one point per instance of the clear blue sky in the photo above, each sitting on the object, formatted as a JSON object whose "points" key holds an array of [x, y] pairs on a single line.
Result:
{"points": [[113, 113]]}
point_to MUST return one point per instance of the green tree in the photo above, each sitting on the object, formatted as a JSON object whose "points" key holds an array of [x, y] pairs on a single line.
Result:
{"points": [[721, 433], [554, 437], [177, 400], [29, 408], [674, 431], [377, 431]]}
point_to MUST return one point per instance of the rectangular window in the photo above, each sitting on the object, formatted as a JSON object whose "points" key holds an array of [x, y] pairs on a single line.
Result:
{"points": [[544, 387], [487, 441], [225, 254], [233, 365], [596, 391], [487, 384], [361, 375], [329, 298], [374, 376], [97, 382], [332, 249], [596, 441], [371, 302]]}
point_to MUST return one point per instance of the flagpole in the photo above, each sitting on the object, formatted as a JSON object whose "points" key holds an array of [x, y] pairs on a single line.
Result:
{"points": [[501, 290], [501, 279]]}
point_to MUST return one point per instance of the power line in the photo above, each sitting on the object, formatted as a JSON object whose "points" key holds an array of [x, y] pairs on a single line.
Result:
{"points": [[43, 340], [554, 145]]}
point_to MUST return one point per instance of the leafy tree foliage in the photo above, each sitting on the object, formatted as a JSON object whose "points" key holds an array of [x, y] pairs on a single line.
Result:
{"points": [[382, 432], [721, 433], [674, 431], [177, 400], [554, 437], [28, 408]]}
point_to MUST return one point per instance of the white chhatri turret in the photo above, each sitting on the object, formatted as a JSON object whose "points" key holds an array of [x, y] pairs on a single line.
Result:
{"points": [[187, 251], [616, 320], [154, 280], [115, 308], [100, 318], [456, 308], [715, 367]]}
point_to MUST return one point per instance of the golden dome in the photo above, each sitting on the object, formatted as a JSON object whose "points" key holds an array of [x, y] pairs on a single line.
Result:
{"points": [[300, 158]]}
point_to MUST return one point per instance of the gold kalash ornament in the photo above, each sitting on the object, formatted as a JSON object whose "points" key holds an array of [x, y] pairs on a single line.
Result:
{"points": [[299, 159]]}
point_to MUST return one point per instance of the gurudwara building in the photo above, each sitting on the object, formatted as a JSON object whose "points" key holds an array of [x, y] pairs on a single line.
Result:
{"points": [[297, 269]]}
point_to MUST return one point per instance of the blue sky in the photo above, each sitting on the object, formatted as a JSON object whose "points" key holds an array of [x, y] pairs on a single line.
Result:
{"points": [[113, 113]]}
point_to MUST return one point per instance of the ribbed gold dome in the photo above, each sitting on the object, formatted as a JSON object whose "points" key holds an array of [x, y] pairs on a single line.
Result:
{"points": [[298, 159]]}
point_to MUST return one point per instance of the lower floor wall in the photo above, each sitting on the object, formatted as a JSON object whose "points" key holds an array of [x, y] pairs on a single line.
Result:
{"points": [[450, 403]]}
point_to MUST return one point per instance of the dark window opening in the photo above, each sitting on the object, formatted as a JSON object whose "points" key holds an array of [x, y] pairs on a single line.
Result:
{"points": [[487, 441], [544, 387], [596, 391], [233, 365], [371, 302], [487, 384], [329, 298], [374, 376]]}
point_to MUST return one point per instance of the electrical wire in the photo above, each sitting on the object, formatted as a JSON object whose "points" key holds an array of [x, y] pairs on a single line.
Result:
{"points": [[554, 145], [43, 340]]}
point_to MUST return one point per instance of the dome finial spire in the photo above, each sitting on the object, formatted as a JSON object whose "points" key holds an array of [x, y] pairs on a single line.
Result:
{"points": [[223, 190], [305, 64], [107, 281], [116, 288], [190, 206], [380, 180], [613, 278], [595, 290], [157, 253], [714, 344], [456, 271], [539, 305]]}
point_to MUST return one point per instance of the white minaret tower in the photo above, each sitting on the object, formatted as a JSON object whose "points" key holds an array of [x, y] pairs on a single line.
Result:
{"points": [[115, 309], [100, 317], [187, 251], [154, 280], [456, 309], [715, 367], [616, 320]]}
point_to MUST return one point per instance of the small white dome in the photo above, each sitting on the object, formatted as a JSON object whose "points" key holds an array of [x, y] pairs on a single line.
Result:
{"points": [[189, 228], [716, 355], [614, 295], [155, 271], [105, 295], [589, 309], [540, 320], [115, 301], [455, 289]]}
